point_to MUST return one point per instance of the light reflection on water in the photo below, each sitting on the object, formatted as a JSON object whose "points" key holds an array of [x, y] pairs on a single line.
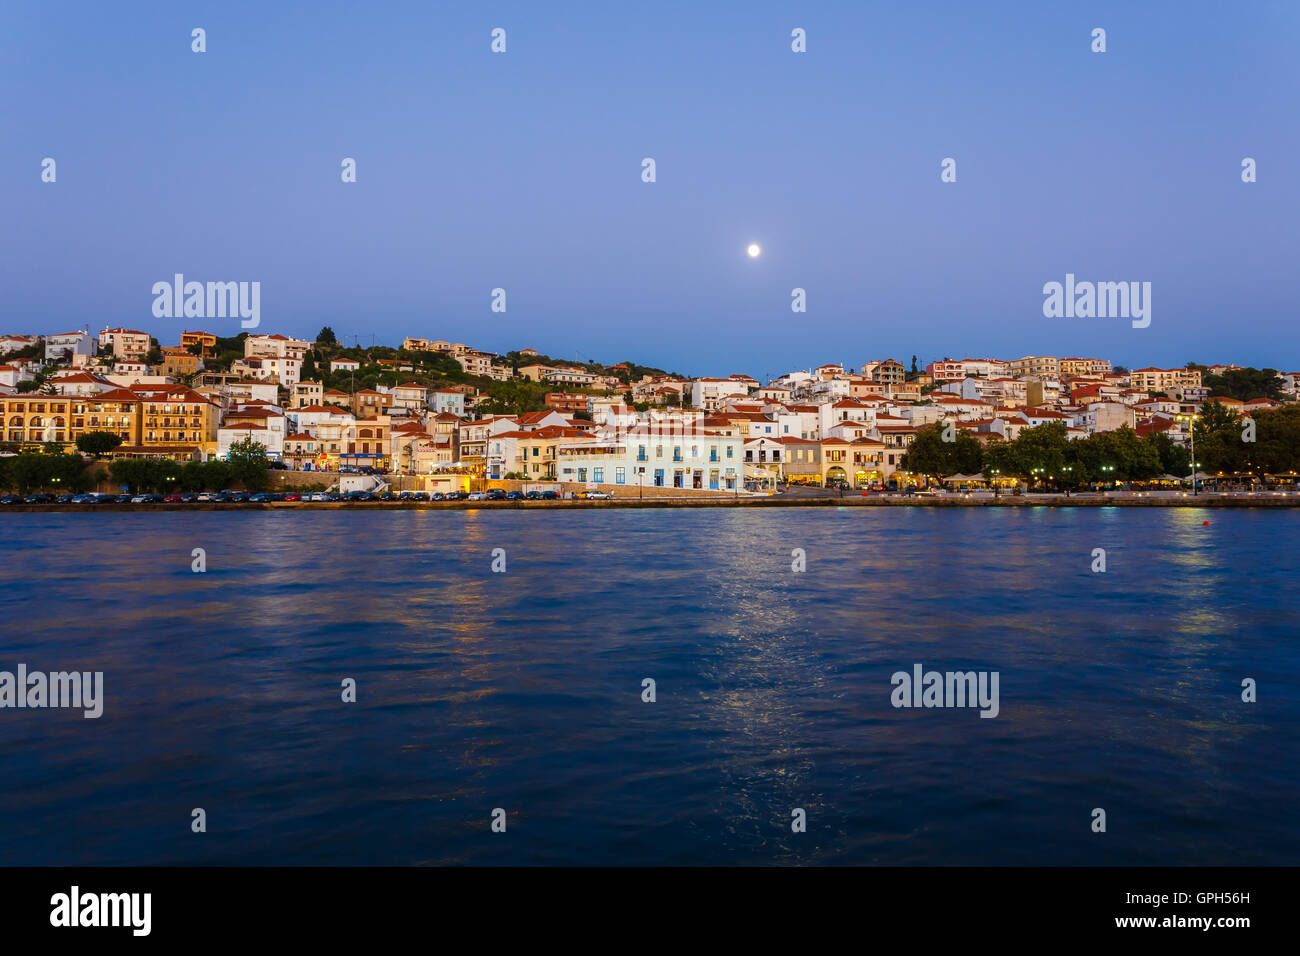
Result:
{"points": [[522, 690]]}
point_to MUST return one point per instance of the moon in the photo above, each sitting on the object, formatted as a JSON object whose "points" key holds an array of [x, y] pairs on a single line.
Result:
{"points": [[754, 250]]}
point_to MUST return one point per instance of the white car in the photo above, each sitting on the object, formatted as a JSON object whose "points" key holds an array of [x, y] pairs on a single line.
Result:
{"points": [[478, 496], [598, 496], [316, 496]]}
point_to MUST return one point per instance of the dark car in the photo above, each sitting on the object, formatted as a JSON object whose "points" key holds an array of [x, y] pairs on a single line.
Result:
{"points": [[119, 499], [437, 496], [190, 497], [261, 497], [240, 496], [278, 466], [455, 495], [550, 496], [64, 499], [10, 500], [388, 496], [514, 496], [38, 499], [533, 496], [497, 494], [419, 496]]}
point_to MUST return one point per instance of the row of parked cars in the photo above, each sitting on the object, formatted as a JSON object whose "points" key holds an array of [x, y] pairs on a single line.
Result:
{"points": [[238, 497]]}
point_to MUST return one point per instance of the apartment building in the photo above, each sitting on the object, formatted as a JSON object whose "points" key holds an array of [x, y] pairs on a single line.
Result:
{"points": [[275, 346], [124, 343], [67, 346], [1163, 379], [1041, 365]]}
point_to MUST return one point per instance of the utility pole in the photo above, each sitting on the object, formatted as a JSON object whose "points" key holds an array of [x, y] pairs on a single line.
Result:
{"points": [[1193, 430]]}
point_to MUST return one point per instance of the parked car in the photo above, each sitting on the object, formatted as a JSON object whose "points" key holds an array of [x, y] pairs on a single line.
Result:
{"points": [[497, 494], [436, 496], [550, 496], [292, 496], [597, 495], [10, 500], [171, 499], [38, 499], [419, 496], [190, 497], [514, 496], [261, 497], [387, 496], [118, 499], [239, 496], [454, 496], [533, 496], [64, 499], [478, 496]]}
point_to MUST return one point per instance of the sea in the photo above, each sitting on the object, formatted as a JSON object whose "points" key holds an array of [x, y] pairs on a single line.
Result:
{"points": [[654, 687]]}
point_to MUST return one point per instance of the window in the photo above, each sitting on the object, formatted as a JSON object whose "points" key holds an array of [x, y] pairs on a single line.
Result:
{"points": [[730, 451], [620, 475], [659, 477], [677, 453], [598, 475]]}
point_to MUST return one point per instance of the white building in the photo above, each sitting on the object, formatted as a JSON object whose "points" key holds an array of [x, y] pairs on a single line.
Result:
{"points": [[64, 345], [656, 456]]}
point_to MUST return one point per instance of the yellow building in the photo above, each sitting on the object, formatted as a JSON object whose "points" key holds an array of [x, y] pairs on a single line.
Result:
{"points": [[175, 422], [206, 341], [35, 419]]}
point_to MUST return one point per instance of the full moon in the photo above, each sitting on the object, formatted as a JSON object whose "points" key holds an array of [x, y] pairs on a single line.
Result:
{"points": [[753, 250]]}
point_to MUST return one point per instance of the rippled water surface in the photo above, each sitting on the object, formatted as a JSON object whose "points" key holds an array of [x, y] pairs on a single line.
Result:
{"points": [[522, 690]]}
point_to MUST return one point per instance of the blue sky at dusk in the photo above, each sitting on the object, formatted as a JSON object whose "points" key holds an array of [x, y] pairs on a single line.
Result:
{"points": [[523, 171]]}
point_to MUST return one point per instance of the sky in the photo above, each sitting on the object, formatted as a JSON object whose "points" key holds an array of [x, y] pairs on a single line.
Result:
{"points": [[522, 170]]}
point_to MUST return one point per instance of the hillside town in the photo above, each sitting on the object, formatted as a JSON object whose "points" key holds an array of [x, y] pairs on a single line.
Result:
{"points": [[451, 417]]}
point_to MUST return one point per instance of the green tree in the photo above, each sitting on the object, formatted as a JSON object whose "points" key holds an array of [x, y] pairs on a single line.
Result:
{"points": [[98, 443], [930, 455], [249, 463], [326, 337], [1174, 458]]}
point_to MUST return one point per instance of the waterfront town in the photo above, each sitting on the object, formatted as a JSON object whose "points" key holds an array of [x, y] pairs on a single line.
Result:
{"points": [[436, 416]]}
